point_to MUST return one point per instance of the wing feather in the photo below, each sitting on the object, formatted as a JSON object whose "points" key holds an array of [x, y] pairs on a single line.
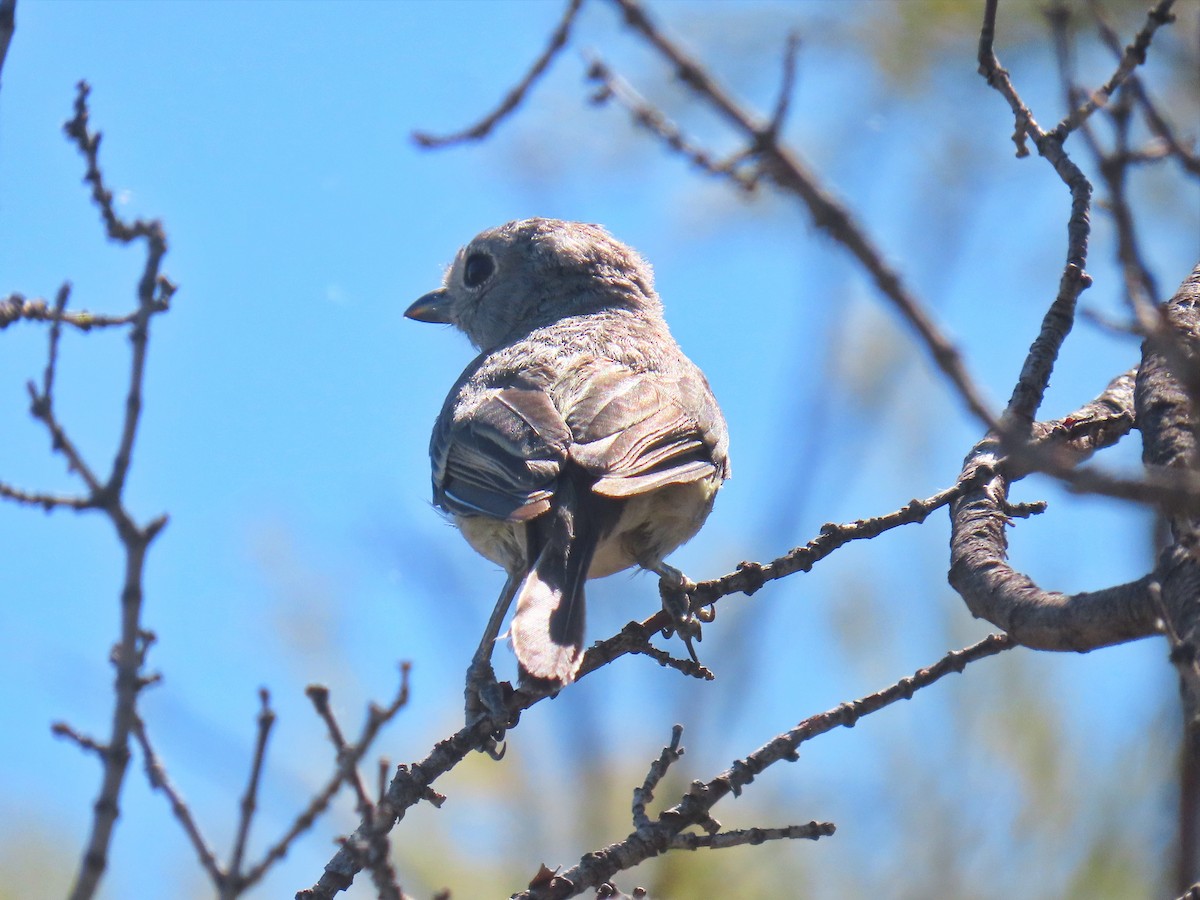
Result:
{"points": [[500, 456], [499, 449]]}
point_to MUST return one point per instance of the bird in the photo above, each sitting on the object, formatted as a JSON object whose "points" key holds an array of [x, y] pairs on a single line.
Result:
{"points": [[580, 442]]}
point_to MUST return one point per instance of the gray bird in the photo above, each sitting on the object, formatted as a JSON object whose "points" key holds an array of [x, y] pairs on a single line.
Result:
{"points": [[581, 441]]}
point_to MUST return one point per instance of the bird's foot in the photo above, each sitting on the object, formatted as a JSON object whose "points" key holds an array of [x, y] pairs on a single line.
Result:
{"points": [[487, 699], [676, 589]]}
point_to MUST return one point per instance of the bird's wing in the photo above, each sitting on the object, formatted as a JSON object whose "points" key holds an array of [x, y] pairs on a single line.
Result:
{"points": [[638, 431], [499, 453]]}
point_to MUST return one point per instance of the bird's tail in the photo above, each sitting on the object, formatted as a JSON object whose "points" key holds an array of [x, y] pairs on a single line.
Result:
{"points": [[548, 627]]}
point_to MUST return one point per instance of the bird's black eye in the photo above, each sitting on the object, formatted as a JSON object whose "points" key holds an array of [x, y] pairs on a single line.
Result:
{"points": [[478, 269]]}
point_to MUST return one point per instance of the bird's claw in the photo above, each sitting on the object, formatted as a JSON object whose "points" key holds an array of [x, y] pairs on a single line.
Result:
{"points": [[487, 700], [676, 590]]}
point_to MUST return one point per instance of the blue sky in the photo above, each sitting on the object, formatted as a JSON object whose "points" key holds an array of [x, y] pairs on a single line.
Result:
{"points": [[288, 402]]}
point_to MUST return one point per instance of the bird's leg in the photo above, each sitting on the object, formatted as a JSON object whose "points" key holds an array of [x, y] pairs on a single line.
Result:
{"points": [[675, 588], [483, 693]]}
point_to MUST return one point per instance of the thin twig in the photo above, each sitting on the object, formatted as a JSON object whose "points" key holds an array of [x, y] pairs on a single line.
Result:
{"points": [[750, 576], [129, 655], [8, 26], [1154, 119], [17, 308], [45, 500], [377, 717], [784, 167], [658, 770], [787, 85], [1134, 56], [613, 87], [1177, 490], [997, 77], [266, 719], [83, 741], [688, 667], [512, 100], [1039, 363], [753, 836], [277, 851], [88, 143], [694, 809], [60, 304], [1140, 287], [412, 784], [319, 695], [373, 846], [157, 776]]}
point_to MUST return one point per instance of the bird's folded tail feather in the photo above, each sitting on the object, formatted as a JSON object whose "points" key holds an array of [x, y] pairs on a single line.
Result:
{"points": [[548, 627]]}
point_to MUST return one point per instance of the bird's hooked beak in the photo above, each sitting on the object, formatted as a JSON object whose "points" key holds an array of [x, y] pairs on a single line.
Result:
{"points": [[433, 307]]}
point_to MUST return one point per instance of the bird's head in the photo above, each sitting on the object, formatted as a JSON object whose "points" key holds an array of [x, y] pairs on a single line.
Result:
{"points": [[529, 273]]}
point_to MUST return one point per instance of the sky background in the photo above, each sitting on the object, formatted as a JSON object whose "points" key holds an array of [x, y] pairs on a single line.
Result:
{"points": [[288, 405]]}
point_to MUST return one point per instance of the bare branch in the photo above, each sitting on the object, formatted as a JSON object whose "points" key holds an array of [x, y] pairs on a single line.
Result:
{"points": [[16, 308], [753, 836], [88, 143], [129, 655], [750, 576], [784, 167], [373, 848], [997, 77], [1039, 363], [154, 290], [1168, 409], [232, 886], [60, 304], [157, 776], [319, 695], [658, 769], [1140, 288], [614, 87], [1134, 56], [688, 667], [1059, 447], [979, 569], [41, 406], [46, 501], [1170, 425], [319, 803], [993, 590], [379, 820], [787, 84], [83, 741], [512, 100], [8, 26], [1154, 119], [1173, 490], [694, 809], [413, 783]]}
